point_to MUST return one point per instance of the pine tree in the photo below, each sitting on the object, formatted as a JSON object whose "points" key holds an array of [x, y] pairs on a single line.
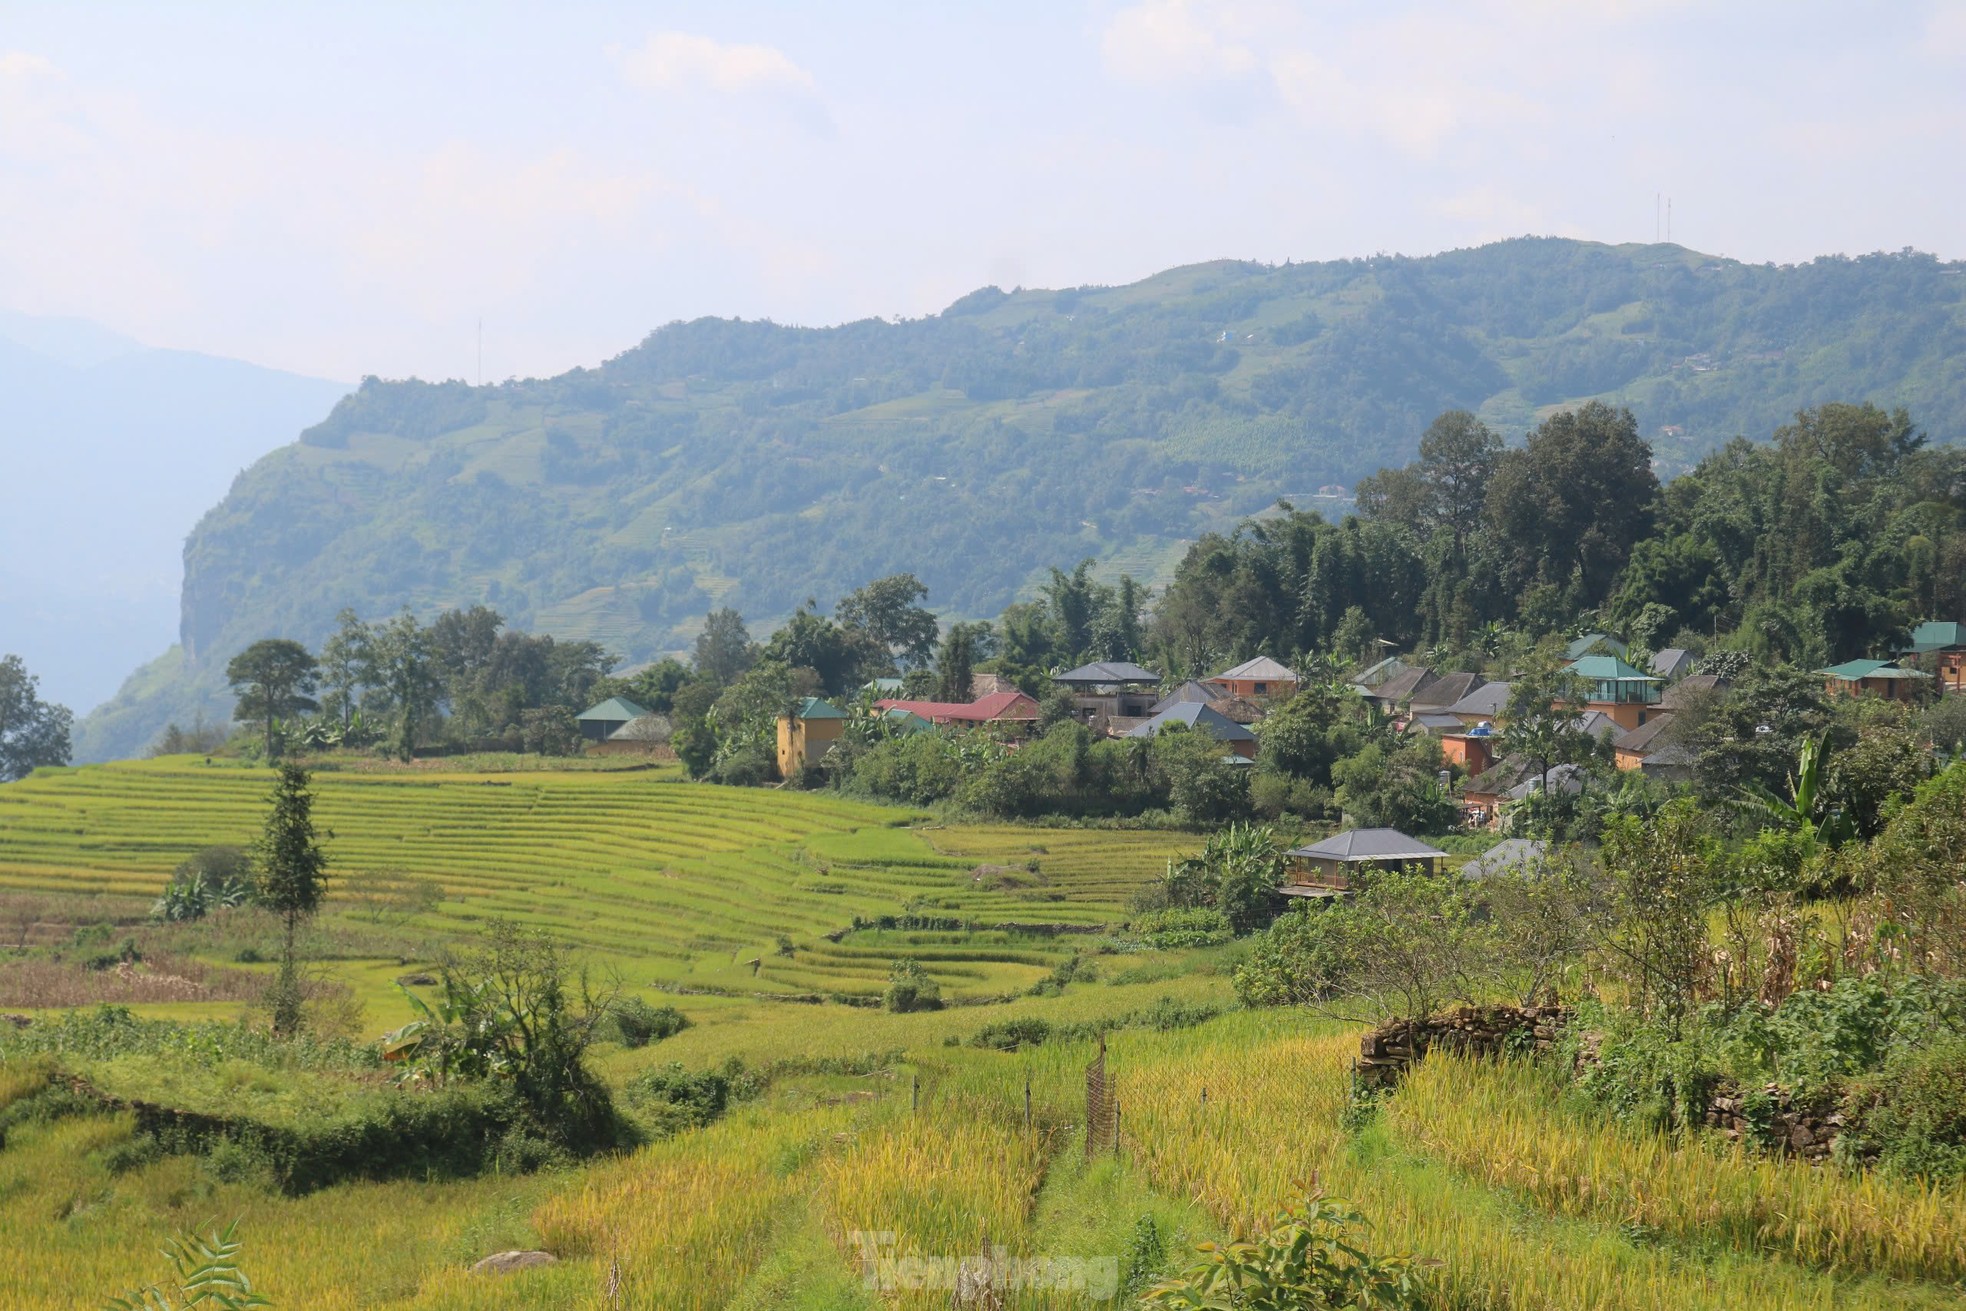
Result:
{"points": [[292, 882]]}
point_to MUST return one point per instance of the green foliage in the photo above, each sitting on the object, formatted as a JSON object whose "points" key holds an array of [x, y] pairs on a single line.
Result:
{"points": [[1313, 1257], [1198, 926], [205, 1272], [292, 881], [674, 1098], [217, 878], [1662, 878], [512, 1011], [909, 988], [1919, 1128], [33, 732], [273, 680], [632, 1022], [1009, 1035], [1407, 942], [1396, 787]]}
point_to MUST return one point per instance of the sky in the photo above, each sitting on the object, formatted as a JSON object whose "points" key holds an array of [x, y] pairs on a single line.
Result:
{"points": [[353, 189]]}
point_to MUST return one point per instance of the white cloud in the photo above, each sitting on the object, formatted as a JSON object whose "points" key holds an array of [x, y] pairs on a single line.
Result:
{"points": [[681, 61], [20, 63], [1176, 41]]}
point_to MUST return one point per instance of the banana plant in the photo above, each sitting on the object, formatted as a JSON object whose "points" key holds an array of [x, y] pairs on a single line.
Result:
{"points": [[1804, 811], [207, 1274], [459, 1036]]}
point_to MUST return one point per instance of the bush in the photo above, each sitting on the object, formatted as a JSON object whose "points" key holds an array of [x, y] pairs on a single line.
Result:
{"points": [[1299, 960], [910, 989], [1310, 1259], [1199, 926], [632, 1022], [1009, 1035], [1919, 1128], [674, 1099]]}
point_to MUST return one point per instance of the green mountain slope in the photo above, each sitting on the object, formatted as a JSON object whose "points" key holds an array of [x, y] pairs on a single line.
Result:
{"points": [[756, 465]]}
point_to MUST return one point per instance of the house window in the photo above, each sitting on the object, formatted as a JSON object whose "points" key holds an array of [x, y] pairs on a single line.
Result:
{"points": [[1262, 688]]}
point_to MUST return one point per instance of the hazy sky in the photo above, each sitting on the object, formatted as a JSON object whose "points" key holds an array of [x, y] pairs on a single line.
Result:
{"points": [[347, 189]]}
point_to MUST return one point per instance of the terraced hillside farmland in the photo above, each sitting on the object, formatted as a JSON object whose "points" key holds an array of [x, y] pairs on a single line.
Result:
{"points": [[673, 883]]}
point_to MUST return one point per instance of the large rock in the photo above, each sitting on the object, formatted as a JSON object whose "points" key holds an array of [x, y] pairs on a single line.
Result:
{"points": [[504, 1263]]}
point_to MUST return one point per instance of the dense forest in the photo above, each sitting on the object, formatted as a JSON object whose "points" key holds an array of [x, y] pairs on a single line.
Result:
{"points": [[755, 465]]}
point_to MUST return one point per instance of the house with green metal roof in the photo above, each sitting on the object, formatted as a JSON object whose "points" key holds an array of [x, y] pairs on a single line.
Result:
{"points": [[1600, 644], [599, 723], [1944, 643], [1877, 677], [806, 732], [1624, 694]]}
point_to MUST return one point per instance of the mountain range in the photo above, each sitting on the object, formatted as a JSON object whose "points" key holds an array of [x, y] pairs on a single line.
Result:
{"points": [[111, 452], [725, 462]]}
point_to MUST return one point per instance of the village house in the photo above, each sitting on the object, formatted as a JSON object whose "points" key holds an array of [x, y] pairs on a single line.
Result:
{"points": [[1485, 705], [1630, 749], [1260, 677], [1116, 689], [1691, 690], [807, 732], [1011, 708], [1595, 644], [1672, 664], [1619, 692], [1201, 718], [1945, 643], [1391, 696], [1509, 857], [601, 722], [1878, 677], [1330, 868]]}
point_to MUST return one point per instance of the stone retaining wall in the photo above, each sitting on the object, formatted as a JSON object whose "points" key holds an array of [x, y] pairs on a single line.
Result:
{"points": [[1385, 1052]]}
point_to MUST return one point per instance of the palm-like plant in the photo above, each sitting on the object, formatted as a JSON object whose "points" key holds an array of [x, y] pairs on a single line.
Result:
{"points": [[206, 1273], [1806, 810]]}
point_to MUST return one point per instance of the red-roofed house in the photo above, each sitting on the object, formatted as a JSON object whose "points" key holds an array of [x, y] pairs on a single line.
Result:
{"points": [[996, 708]]}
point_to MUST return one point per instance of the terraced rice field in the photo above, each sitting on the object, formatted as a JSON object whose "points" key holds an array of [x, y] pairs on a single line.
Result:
{"points": [[674, 883]]}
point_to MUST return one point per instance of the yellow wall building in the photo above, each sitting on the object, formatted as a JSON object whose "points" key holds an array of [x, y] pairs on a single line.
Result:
{"points": [[807, 733]]}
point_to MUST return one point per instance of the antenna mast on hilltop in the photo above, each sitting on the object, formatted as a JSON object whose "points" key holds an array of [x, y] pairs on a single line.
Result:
{"points": [[1655, 217], [1668, 218], [481, 351]]}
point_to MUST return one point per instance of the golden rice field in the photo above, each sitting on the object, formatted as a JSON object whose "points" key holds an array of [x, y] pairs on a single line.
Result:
{"points": [[1526, 1203], [673, 883]]}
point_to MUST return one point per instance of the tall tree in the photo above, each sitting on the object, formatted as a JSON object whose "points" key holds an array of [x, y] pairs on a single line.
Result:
{"points": [[292, 881], [347, 665], [1568, 507], [1116, 631], [463, 648], [723, 648], [408, 677], [33, 732], [1447, 487], [273, 680], [1074, 600], [809, 640], [955, 664], [898, 631]]}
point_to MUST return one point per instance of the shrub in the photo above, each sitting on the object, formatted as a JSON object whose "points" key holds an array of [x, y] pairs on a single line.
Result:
{"points": [[1198, 926], [1919, 1128], [632, 1022], [675, 1099], [910, 989], [1009, 1035], [1311, 1258]]}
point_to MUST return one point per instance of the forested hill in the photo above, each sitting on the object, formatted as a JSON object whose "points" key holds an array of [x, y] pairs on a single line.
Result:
{"points": [[756, 465]]}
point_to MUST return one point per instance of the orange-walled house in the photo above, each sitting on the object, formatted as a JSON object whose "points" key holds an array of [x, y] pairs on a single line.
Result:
{"points": [[1261, 677]]}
